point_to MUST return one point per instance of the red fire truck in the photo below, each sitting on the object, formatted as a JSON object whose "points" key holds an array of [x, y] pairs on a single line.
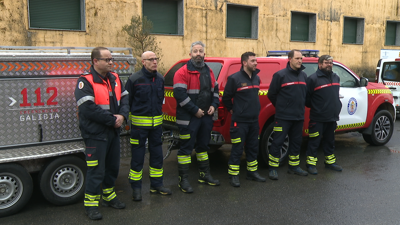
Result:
{"points": [[367, 107], [40, 131]]}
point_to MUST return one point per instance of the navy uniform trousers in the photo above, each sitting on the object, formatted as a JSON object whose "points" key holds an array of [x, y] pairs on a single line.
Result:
{"points": [[325, 132], [138, 150], [103, 158], [246, 135], [197, 132], [283, 128]]}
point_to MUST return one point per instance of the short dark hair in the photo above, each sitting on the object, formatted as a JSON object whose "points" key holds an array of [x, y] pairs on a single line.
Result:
{"points": [[96, 53], [324, 57], [245, 56], [291, 53]]}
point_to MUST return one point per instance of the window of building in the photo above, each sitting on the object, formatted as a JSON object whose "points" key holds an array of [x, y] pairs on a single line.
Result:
{"points": [[57, 14], [392, 35], [241, 21], [303, 27], [166, 15], [353, 30]]}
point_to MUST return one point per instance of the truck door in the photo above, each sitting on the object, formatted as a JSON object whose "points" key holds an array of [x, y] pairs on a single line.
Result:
{"points": [[390, 77], [354, 99]]}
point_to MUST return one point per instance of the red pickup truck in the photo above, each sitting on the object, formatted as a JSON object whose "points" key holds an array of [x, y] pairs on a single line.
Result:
{"points": [[366, 107]]}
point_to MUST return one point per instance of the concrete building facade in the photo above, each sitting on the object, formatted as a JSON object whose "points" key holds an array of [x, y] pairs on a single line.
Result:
{"points": [[352, 31]]}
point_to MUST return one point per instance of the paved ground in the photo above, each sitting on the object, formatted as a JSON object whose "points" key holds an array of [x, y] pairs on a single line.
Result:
{"points": [[366, 192]]}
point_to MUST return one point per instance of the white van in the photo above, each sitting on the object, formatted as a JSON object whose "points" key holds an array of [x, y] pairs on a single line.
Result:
{"points": [[388, 73]]}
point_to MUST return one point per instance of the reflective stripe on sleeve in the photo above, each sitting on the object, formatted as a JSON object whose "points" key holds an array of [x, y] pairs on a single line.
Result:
{"points": [[85, 99]]}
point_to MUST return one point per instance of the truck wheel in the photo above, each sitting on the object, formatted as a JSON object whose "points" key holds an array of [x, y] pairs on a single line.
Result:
{"points": [[266, 141], [382, 129], [16, 188], [61, 180]]}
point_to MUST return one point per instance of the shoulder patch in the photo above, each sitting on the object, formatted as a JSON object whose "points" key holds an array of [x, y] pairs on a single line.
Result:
{"points": [[81, 85]]}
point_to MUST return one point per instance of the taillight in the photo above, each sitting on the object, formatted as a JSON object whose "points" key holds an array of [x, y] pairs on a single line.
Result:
{"points": [[219, 116]]}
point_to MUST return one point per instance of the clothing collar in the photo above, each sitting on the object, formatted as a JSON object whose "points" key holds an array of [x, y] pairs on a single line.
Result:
{"points": [[191, 67], [98, 78], [294, 71], [148, 73], [320, 73], [252, 75]]}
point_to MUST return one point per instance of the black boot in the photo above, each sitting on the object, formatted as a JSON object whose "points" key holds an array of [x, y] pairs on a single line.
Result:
{"points": [[254, 175], [205, 176], [234, 180], [137, 194], [184, 178]]}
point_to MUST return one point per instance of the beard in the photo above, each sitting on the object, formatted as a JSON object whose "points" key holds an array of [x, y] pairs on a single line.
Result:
{"points": [[198, 61], [327, 72]]}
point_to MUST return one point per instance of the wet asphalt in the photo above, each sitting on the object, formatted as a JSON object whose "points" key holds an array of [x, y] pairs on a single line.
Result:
{"points": [[367, 191]]}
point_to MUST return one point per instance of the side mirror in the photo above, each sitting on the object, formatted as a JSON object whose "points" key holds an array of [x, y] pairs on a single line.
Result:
{"points": [[363, 82]]}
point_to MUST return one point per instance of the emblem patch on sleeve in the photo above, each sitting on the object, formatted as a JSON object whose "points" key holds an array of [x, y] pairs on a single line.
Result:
{"points": [[80, 86]]}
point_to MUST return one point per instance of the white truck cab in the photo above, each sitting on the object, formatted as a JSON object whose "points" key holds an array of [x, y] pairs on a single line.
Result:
{"points": [[388, 73]]}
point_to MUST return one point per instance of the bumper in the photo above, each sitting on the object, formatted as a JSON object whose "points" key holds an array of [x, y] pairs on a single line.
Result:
{"points": [[216, 138]]}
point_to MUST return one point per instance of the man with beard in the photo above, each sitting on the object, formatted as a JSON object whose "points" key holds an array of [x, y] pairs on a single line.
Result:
{"points": [[196, 94], [146, 96], [241, 100], [287, 92], [325, 105]]}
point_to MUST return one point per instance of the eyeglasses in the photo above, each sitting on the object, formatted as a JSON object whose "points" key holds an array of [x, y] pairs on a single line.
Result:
{"points": [[152, 59], [107, 59]]}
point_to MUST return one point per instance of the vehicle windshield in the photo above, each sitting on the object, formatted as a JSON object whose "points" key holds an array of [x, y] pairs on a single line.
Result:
{"points": [[391, 71], [169, 77], [346, 79]]}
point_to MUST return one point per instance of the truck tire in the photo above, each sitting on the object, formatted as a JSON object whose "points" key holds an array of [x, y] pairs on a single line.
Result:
{"points": [[266, 141], [382, 129], [62, 180], [16, 188]]}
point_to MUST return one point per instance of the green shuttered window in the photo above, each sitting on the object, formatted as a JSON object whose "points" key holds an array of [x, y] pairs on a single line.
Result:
{"points": [[55, 14], [238, 21], [353, 30], [163, 14], [390, 33], [350, 31], [299, 27]]}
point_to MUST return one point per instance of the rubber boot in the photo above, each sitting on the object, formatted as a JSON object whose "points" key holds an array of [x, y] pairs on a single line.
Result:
{"points": [[184, 178], [254, 175], [205, 176]]}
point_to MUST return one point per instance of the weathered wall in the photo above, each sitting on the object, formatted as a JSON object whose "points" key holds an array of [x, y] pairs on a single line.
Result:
{"points": [[206, 20]]}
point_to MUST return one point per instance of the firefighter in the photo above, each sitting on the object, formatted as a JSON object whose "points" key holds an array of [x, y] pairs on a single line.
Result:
{"points": [[196, 94], [103, 107], [241, 99], [146, 95], [323, 99], [287, 92]]}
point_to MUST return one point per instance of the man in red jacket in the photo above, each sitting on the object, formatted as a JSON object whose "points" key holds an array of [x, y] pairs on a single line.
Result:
{"points": [[196, 94], [103, 106]]}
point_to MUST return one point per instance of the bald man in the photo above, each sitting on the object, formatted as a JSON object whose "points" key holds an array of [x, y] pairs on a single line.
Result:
{"points": [[146, 96]]}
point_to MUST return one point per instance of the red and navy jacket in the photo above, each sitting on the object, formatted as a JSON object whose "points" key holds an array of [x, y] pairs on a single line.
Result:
{"points": [[287, 92], [98, 100], [244, 93], [146, 95], [323, 96], [186, 91]]}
